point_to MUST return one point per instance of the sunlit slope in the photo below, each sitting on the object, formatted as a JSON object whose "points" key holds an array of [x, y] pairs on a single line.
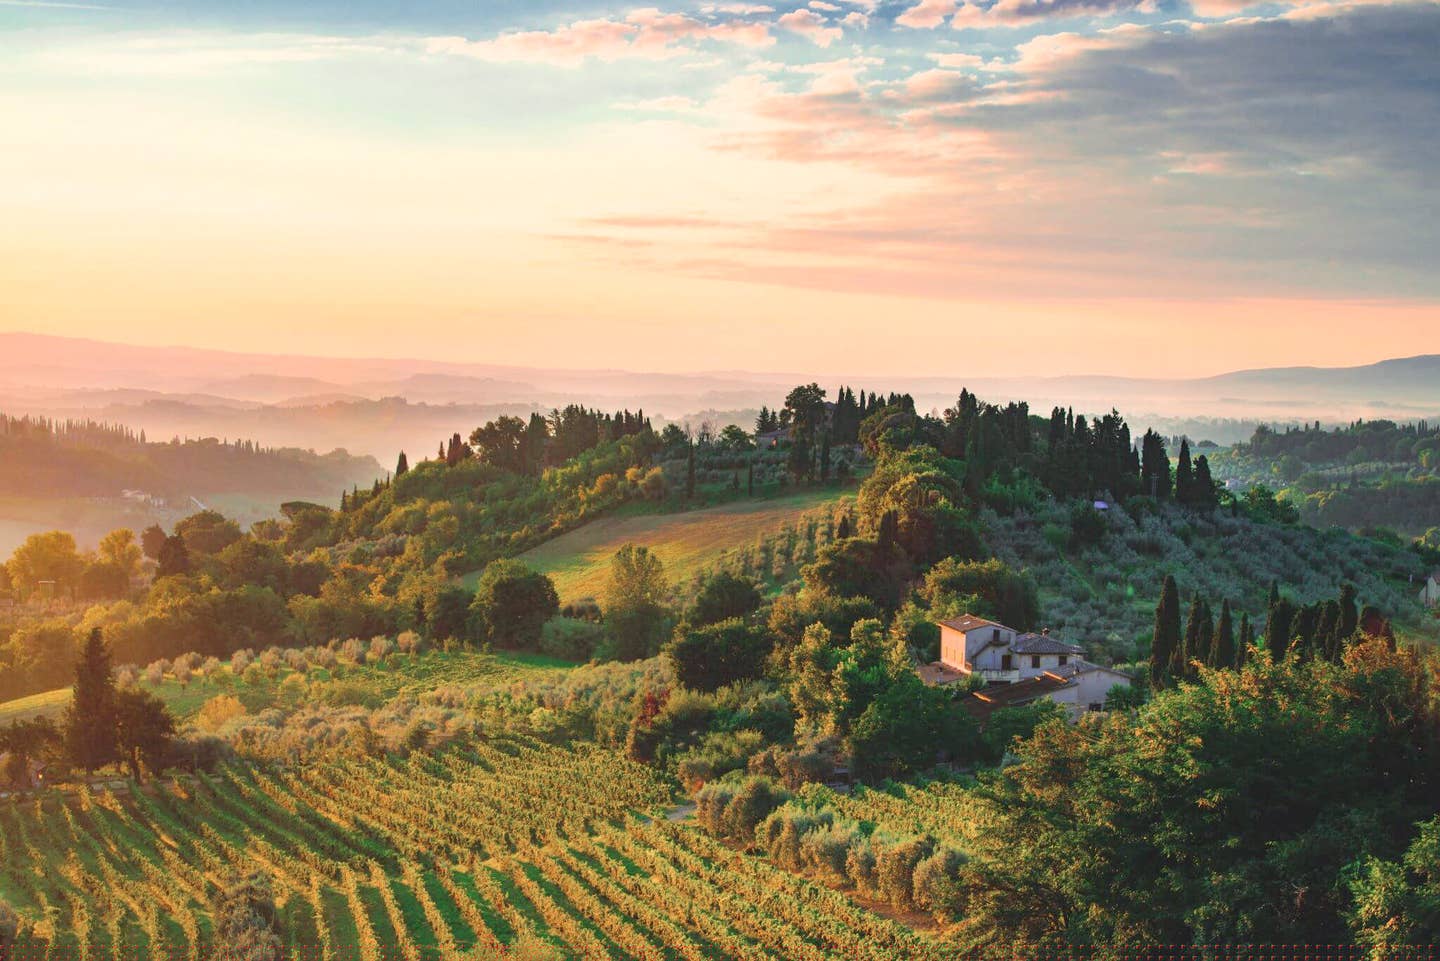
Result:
{"points": [[580, 560]]}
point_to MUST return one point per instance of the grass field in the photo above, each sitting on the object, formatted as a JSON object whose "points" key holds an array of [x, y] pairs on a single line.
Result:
{"points": [[579, 561], [47, 704]]}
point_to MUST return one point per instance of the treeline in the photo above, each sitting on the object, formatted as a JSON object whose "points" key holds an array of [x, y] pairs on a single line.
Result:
{"points": [[1323, 630], [92, 459], [1358, 442], [528, 447]]}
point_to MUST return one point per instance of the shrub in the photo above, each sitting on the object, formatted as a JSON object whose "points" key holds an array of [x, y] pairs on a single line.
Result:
{"points": [[570, 639], [937, 884], [826, 850], [895, 868], [220, 710]]}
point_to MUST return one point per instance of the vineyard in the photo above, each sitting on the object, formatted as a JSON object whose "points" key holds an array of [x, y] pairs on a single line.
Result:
{"points": [[505, 841]]}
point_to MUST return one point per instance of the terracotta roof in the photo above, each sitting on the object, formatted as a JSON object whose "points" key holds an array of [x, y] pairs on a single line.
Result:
{"points": [[1083, 666], [1043, 644], [968, 622], [981, 704], [936, 673]]}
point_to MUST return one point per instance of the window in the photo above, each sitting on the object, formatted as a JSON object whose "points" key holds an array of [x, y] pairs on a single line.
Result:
{"points": [[995, 636], [1064, 659], [1035, 660], [1006, 662], [1097, 706]]}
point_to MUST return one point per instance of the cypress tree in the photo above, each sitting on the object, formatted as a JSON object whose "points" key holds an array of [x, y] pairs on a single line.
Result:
{"points": [[401, 465], [1222, 646], [1184, 475], [842, 530], [1204, 493], [1195, 641], [1247, 638], [90, 718], [1165, 640], [1277, 629], [1349, 612], [690, 469]]}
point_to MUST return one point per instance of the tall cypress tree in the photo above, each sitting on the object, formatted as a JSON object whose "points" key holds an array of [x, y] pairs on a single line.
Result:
{"points": [[90, 718], [1195, 641], [401, 465], [1222, 646], [1247, 638], [1155, 477], [690, 469], [1203, 486], [1277, 629], [1166, 638], [1184, 475]]}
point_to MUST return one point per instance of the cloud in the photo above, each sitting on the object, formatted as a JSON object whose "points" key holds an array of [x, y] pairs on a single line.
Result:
{"points": [[810, 24], [822, 5], [644, 33], [927, 14], [1009, 13], [672, 104]]}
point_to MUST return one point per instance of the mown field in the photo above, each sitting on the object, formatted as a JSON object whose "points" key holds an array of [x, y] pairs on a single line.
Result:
{"points": [[579, 561]]}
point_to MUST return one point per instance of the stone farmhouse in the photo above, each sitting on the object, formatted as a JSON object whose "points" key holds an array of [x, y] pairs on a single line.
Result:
{"points": [[1019, 668]]}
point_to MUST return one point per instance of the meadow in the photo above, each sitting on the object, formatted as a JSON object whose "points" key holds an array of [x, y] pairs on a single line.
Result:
{"points": [[579, 561]]}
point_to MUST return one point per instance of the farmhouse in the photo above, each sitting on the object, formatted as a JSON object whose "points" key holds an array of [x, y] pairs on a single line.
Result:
{"points": [[1430, 593], [1019, 667]]}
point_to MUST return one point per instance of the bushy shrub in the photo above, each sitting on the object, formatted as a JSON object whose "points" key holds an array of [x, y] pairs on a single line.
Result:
{"points": [[571, 639], [937, 883]]}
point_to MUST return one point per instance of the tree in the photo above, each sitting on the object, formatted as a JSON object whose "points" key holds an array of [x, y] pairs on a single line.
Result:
{"points": [[750, 477], [501, 443], [1204, 493], [1166, 639], [1155, 479], [633, 602], [207, 532], [1222, 646], [512, 604], [721, 597], [402, 465], [152, 539], [1184, 475], [708, 657], [143, 731], [119, 548], [690, 470], [447, 611], [1198, 630], [174, 558], [46, 557], [26, 741], [102, 579], [1246, 639], [1279, 624], [90, 718]]}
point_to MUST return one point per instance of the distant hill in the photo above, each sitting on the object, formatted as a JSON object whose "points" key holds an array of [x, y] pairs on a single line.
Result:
{"points": [[382, 405]]}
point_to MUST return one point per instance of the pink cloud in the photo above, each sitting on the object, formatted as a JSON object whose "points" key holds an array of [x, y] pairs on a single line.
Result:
{"points": [[810, 24], [646, 32], [927, 14]]}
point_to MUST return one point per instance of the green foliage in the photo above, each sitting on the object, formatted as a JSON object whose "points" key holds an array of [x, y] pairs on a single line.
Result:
{"points": [[723, 595], [512, 604], [985, 588], [634, 603], [1225, 811], [709, 657], [1398, 901], [860, 567], [90, 720], [143, 732], [571, 639]]}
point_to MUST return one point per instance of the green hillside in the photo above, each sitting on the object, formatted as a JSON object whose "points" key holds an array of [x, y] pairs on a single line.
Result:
{"points": [[579, 561]]}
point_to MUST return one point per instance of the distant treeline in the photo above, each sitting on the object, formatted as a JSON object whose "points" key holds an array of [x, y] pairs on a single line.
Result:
{"points": [[84, 458]]}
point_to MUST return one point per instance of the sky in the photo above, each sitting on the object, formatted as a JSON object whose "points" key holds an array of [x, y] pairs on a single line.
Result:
{"points": [[1151, 187]]}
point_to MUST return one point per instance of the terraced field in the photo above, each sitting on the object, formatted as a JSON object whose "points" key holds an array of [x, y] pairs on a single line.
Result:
{"points": [[507, 842]]}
